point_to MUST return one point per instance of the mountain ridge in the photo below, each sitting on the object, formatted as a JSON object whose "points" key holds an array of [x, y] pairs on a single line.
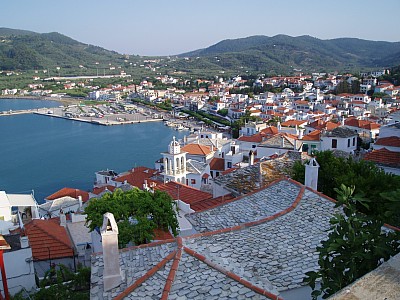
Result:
{"points": [[28, 50]]}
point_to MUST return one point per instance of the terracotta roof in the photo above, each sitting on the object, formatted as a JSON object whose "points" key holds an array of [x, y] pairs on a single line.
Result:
{"points": [[98, 190], [255, 138], [271, 130], [48, 239], [312, 136], [217, 164], [161, 235], [136, 176], [211, 203], [196, 149], [293, 123], [361, 123], [73, 193], [392, 141], [187, 194], [384, 157]]}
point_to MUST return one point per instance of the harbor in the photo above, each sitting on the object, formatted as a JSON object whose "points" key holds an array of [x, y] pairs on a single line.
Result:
{"points": [[106, 115]]}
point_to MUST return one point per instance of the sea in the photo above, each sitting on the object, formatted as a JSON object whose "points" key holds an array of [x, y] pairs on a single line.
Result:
{"points": [[44, 154]]}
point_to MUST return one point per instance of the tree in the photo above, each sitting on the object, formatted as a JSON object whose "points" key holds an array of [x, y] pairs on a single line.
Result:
{"points": [[355, 246], [137, 213], [368, 179], [223, 112]]}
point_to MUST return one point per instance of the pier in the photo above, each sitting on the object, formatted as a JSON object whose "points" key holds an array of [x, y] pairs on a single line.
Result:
{"points": [[107, 120]]}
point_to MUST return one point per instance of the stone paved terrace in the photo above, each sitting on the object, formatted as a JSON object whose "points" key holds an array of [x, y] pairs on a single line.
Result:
{"points": [[279, 251], [256, 206], [254, 260]]}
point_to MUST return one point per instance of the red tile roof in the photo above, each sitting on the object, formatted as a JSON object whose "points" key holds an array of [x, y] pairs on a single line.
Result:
{"points": [[312, 136], [255, 138], [98, 190], [196, 149], [392, 141], [187, 194], [48, 239], [293, 123], [161, 235], [217, 164], [361, 123], [136, 176], [74, 193], [384, 157], [271, 130], [210, 203]]}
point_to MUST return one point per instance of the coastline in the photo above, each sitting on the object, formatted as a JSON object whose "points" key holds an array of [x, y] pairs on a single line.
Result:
{"points": [[63, 100]]}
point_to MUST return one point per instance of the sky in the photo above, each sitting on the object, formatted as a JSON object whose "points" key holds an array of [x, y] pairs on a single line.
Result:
{"points": [[172, 27]]}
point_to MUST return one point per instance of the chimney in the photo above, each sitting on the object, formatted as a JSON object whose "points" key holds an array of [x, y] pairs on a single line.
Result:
{"points": [[251, 158], [24, 241], [112, 276], [279, 126], [80, 201], [301, 133], [311, 180], [342, 121], [63, 218], [145, 186]]}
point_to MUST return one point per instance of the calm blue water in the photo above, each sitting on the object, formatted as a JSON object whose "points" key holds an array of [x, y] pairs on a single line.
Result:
{"points": [[18, 104], [46, 154]]}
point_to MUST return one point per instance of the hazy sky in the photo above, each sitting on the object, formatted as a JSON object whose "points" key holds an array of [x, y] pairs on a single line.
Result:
{"points": [[165, 27]]}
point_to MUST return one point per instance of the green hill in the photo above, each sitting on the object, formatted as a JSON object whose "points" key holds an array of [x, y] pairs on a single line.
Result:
{"points": [[282, 52], [26, 50]]}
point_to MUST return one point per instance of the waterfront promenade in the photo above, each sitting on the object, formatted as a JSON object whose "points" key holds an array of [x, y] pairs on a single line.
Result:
{"points": [[115, 119]]}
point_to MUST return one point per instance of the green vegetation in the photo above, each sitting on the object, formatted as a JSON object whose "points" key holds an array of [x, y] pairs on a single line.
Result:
{"points": [[223, 112], [355, 246], [281, 54], [60, 283], [369, 181], [165, 106], [240, 123], [62, 56], [137, 213], [207, 118]]}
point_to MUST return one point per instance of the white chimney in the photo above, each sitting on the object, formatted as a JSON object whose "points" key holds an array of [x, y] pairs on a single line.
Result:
{"points": [[342, 121], [279, 126], [112, 276], [24, 241], [301, 133], [311, 179], [80, 201], [63, 218], [251, 157]]}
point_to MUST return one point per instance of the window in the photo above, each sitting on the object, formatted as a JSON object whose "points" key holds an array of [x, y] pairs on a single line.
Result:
{"points": [[348, 143], [305, 148], [216, 174], [354, 141], [334, 143], [229, 165], [253, 146], [193, 181]]}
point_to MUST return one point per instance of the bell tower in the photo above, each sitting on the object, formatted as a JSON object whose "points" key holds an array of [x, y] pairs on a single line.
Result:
{"points": [[174, 163]]}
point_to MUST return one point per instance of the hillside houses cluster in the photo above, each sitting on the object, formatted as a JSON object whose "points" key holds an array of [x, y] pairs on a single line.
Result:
{"points": [[246, 229]]}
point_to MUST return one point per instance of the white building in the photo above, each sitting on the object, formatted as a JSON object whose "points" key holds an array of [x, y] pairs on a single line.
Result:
{"points": [[174, 162], [340, 138], [18, 264], [14, 208]]}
